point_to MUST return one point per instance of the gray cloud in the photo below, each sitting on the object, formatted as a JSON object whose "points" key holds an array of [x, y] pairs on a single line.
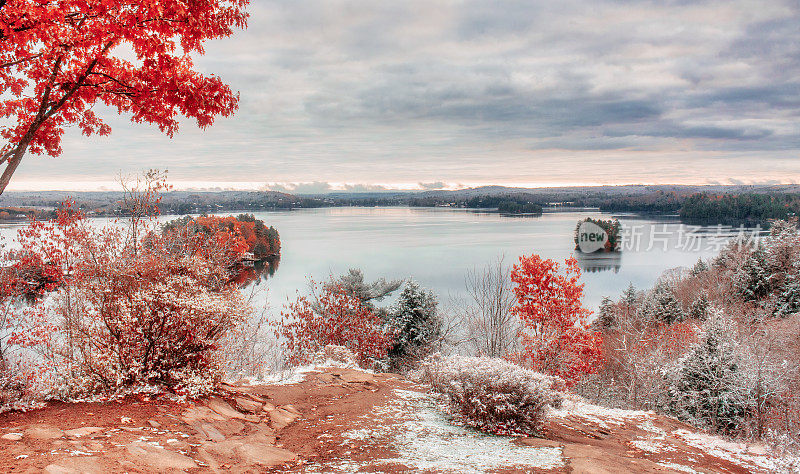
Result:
{"points": [[508, 91], [432, 186]]}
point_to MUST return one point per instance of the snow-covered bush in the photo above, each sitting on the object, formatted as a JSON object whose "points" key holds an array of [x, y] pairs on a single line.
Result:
{"points": [[492, 394], [116, 308], [709, 387]]}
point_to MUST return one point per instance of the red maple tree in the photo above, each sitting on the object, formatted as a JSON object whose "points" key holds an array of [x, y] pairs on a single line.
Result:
{"points": [[555, 333], [59, 58], [333, 316]]}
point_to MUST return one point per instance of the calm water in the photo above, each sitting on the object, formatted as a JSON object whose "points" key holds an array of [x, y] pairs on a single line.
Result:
{"points": [[437, 246]]}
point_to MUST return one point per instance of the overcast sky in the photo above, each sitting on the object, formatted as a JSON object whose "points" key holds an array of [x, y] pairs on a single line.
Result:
{"points": [[426, 94]]}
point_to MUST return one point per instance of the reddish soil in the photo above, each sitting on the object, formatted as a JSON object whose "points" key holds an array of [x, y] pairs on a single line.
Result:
{"points": [[300, 427]]}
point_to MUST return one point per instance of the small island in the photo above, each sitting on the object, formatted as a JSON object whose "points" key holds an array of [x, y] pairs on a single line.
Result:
{"points": [[611, 229]]}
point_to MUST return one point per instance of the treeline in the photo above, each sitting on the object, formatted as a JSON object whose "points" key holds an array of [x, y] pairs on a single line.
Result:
{"points": [[742, 208], [506, 203], [702, 208]]}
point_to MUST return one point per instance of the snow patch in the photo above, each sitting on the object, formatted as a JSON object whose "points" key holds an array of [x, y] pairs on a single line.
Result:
{"points": [[651, 446], [575, 407], [425, 439], [751, 456], [296, 374]]}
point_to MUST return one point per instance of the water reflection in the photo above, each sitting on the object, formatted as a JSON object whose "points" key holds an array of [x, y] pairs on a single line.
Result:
{"points": [[255, 272], [599, 261]]}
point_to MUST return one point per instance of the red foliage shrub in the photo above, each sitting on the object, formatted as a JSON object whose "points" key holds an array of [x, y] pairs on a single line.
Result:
{"points": [[122, 312], [555, 332], [333, 316]]}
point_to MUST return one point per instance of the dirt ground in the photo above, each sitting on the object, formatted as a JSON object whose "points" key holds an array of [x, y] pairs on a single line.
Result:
{"points": [[345, 420]]}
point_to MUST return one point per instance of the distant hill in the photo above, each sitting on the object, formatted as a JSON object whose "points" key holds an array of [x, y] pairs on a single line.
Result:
{"points": [[175, 202], [654, 199]]}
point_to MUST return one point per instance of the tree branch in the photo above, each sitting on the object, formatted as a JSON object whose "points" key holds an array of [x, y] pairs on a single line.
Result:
{"points": [[18, 61], [114, 79], [77, 85]]}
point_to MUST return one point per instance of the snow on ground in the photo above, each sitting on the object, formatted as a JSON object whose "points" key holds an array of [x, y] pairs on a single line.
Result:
{"points": [[751, 456], [425, 439], [748, 455], [575, 406]]}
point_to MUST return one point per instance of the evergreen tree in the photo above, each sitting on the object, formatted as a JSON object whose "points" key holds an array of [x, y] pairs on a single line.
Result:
{"points": [[753, 280], [661, 305], [606, 316], [699, 307], [789, 298], [699, 267], [417, 325], [353, 283], [708, 386], [629, 296]]}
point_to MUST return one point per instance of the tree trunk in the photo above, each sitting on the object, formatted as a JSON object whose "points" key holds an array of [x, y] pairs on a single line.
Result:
{"points": [[12, 163]]}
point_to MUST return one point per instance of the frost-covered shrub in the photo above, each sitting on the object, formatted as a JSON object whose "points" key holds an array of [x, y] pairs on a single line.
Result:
{"points": [[120, 309], [492, 394]]}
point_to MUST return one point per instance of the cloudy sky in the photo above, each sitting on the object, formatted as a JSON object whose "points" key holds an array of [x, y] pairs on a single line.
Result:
{"points": [[426, 94]]}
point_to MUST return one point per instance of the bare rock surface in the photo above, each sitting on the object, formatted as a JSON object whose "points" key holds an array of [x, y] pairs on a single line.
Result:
{"points": [[248, 405], [159, 458], [83, 431], [217, 434], [346, 420], [43, 432]]}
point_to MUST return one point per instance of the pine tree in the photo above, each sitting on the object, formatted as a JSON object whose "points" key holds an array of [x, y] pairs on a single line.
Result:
{"points": [[661, 305], [629, 296], [606, 317], [699, 267], [708, 386], [417, 325], [789, 298], [353, 283], [752, 281], [699, 307]]}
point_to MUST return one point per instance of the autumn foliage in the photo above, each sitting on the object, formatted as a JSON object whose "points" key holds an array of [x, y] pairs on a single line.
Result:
{"points": [[332, 316], [59, 59], [246, 234], [108, 317], [555, 333]]}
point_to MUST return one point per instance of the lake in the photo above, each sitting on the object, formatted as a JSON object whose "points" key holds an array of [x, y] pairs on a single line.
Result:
{"points": [[437, 246]]}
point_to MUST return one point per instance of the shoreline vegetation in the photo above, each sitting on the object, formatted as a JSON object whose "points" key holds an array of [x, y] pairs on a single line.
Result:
{"points": [[728, 205], [158, 305]]}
